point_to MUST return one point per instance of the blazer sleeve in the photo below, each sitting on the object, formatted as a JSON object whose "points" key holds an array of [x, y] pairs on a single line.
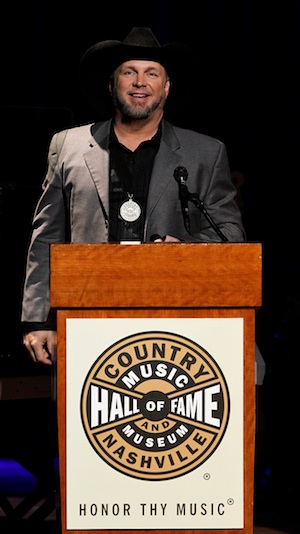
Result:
{"points": [[48, 226]]}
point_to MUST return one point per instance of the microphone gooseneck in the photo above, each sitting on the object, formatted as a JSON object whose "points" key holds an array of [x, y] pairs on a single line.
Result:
{"points": [[181, 176]]}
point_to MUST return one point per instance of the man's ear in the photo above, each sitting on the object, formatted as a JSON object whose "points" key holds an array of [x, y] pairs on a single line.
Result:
{"points": [[168, 86], [111, 85]]}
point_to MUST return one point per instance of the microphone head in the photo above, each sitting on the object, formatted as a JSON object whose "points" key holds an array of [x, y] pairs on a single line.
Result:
{"points": [[181, 175]]}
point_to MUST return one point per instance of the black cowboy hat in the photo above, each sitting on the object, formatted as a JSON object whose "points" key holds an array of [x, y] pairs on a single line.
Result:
{"points": [[101, 59]]}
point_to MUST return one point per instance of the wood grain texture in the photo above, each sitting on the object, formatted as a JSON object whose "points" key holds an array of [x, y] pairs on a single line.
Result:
{"points": [[151, 275]]}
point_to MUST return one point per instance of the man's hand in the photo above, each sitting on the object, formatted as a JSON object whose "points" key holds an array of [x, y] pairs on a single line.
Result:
{"points": [[166, 239], [41, 345]]}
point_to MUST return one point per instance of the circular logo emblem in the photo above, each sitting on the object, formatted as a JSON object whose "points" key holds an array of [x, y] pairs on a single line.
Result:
{"points": [[155, 405], [130, 210]]}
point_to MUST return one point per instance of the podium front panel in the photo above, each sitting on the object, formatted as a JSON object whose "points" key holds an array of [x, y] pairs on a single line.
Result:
{"points": [[156, 420]]}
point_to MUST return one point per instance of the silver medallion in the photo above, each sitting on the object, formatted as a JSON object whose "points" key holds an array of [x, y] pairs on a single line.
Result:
{"points": [[130, 210]]}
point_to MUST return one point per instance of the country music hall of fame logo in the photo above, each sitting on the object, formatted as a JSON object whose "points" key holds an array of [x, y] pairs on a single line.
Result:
{"points": [[155, 405]]}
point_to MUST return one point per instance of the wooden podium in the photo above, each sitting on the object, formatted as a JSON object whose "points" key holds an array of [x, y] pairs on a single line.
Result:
{"points": [[158, 282]]}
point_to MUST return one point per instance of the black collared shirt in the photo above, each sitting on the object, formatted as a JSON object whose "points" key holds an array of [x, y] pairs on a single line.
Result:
{"points": [[130, 174]]}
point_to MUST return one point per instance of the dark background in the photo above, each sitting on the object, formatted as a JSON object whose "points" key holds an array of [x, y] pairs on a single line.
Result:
{"points": [[247, 95]]}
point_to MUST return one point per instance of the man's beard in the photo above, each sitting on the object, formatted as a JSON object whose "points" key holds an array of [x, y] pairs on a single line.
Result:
{"points": [[130, 112]]}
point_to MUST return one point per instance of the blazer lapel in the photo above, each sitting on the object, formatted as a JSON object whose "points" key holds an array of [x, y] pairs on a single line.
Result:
{"points": [[97, 161], [166, 161]]}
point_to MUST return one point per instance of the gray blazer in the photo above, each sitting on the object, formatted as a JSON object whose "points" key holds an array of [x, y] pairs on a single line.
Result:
{"points": [[74, 203]]}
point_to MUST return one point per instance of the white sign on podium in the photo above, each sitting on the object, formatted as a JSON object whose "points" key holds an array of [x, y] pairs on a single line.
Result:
{"points": [[154, 423]]}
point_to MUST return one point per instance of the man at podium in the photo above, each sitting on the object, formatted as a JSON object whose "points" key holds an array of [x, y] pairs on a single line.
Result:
{"points": [[130, 177]]}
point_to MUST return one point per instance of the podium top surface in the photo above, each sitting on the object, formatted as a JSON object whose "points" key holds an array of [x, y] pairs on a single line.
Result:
{"points": [[176, 275]]}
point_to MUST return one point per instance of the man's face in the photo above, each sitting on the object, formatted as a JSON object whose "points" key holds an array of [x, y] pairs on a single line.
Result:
{"points": [[140, 87]]}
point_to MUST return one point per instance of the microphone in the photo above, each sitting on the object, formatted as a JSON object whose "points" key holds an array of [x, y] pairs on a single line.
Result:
{"points": [[181, 176]]}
